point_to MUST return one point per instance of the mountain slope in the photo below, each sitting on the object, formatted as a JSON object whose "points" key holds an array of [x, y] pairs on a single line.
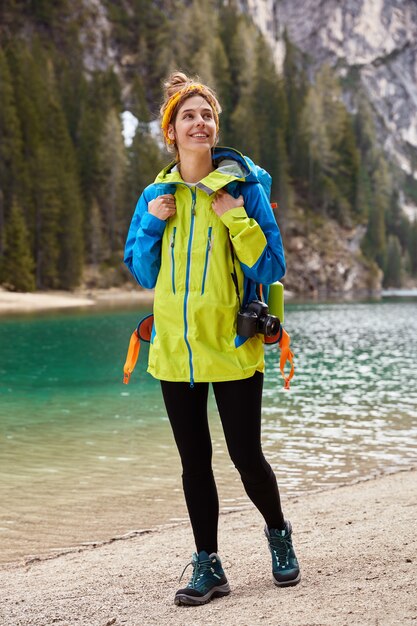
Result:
{"points": [[369, 43]]}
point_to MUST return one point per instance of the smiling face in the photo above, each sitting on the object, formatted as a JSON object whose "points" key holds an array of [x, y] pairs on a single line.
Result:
{"points": [[194, 127]]}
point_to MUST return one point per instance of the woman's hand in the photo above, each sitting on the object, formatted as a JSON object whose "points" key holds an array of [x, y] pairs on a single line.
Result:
{"points": [[223, 202], [162, 207]]}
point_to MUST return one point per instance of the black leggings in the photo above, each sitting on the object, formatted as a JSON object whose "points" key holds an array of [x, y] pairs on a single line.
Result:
{"points": [[239, 405]]}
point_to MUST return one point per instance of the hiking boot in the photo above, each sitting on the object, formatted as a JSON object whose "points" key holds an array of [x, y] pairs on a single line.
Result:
{"points": [[285, 569], [207, 581]]}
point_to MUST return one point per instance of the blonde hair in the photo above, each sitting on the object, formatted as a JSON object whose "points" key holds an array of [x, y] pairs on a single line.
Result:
{"points": [[177, 88]]}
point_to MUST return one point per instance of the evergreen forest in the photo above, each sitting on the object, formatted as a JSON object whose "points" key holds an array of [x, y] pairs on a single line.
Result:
{"points": [[69, 183]]}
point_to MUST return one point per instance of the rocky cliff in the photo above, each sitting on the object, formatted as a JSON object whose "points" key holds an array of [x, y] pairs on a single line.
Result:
{"points": [[369, 42], [323, 258]]}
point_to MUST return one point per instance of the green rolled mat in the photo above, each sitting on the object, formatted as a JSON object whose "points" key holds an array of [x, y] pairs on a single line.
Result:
{"points": [[276, 300]]}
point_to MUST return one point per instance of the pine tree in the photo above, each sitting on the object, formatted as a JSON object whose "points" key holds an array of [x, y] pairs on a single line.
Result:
{"points": [[321, 157], [111, 174], [16, 265], [281, 189], [73, 87], [144, 161], [28, 90], [374, 244], [10, 142], [38, 191], [89, 130], [240, 29], [347, 176], [393, 268], [95, 232], [223, 87], [153, 30], [382, 185], [229, 19], [412, 247], [70, 232], [364, 194], [243, 133], [396, 221], [2, 223], [193, 42], [47, 208], [102, 95], [270, 118], [296, 88], [139, 107], [365, 130], [265, 106], [333, 108]]}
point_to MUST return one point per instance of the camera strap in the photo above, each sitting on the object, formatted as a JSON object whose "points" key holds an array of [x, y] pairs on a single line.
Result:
{"points": [[234, 275]]}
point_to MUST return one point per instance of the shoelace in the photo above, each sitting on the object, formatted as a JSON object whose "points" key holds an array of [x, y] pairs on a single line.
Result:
{"points": [[281, 547], [199, 569]]}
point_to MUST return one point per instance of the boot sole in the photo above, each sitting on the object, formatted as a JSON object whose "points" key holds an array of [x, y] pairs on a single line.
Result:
{"points": [[287, 583], [216, 592]]}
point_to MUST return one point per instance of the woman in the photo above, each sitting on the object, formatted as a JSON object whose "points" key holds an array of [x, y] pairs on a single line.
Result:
{"points": [[204, 235]]}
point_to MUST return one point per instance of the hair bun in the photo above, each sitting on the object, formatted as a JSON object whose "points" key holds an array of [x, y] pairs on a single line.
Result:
{"points": [[177, 81]]}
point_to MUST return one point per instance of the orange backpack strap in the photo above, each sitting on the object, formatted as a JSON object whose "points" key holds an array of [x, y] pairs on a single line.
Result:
{"points": [[286, 355], [132, 356], [144, 332], [282, 338]]}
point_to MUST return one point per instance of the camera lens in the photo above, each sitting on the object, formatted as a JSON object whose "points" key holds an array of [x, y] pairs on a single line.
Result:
{"points": [[271, 325]]}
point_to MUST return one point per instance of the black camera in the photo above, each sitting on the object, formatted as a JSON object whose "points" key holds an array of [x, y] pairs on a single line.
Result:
{"points": [[254, 318]]}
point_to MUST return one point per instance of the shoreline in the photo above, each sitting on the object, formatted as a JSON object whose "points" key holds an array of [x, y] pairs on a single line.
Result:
{"points": [[356, 543], [17, 302], [49, 553]]}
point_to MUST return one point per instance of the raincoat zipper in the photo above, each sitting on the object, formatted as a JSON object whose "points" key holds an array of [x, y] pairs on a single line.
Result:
{"points": [[172, 244], [207, 259], [187, 286]]}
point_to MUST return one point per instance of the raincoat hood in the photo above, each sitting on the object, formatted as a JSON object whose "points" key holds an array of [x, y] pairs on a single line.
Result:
{"points": [[230, 166]]}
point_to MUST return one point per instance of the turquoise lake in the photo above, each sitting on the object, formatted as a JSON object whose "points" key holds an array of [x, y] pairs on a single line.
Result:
{"points": [[85, 458]]}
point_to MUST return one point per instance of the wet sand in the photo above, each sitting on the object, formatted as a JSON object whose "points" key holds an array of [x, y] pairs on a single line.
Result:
{"points": [[357, 547], [13, 302]]}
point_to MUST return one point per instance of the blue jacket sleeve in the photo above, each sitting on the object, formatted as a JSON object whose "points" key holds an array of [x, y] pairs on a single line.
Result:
{"points": [[143, 244], [256, 237]]}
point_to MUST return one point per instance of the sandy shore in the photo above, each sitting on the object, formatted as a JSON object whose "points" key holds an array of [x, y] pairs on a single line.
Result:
{"points": [[357, 546], [11, 302]]}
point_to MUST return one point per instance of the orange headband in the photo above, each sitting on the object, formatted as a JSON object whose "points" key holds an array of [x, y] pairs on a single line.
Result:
{"points": [[173, 101]]}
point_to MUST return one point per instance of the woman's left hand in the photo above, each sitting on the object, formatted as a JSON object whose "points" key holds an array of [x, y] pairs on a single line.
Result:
{"points": [[223, 202]]}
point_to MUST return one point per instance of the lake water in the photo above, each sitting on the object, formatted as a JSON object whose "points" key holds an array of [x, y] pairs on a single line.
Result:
{"points": [[84, 457]]}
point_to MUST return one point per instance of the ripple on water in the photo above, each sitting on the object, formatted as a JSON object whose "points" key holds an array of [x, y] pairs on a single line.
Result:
{"points": [[351, 412]]}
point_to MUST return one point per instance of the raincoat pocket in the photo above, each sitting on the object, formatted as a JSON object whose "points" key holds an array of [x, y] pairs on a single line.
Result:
{"points": [[207, 258]]}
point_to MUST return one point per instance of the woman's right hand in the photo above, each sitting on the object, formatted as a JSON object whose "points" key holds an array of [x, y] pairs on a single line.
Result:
{"points": [[163, 206]]}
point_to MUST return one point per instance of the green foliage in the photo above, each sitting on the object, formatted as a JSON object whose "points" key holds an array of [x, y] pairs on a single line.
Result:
{"points": [[68, 184], [16, 262], [48, 182], [334, 164], [295, 88], [111, 174], [144, 162], [192, 42], [412, 248], [11, 161], [410, 188], [393, 269]]}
